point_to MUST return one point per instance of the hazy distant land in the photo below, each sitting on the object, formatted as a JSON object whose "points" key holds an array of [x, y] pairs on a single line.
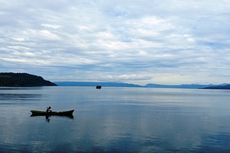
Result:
{"points": [[104, 84], [222, 86], [122, 84], [29, 80]]}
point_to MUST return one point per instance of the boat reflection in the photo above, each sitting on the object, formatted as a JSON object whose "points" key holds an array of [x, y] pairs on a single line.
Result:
{"points": [[47, 117]]}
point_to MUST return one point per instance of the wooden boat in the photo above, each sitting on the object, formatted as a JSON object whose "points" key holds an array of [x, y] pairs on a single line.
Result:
{"points": [[44, 113]]}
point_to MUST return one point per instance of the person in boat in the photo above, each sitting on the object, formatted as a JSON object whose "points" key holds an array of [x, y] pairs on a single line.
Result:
{"points": [[48, 110]]}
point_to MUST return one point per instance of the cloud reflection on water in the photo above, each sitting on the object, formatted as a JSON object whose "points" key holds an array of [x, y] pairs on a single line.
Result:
{"points": [[103, 124]]}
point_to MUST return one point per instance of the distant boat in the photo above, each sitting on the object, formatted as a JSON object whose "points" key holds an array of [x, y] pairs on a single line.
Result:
{"points": [[44, 113], [98, 87]]}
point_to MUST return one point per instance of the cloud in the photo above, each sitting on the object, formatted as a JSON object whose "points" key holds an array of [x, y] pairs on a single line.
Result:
{"points": [[133, 41]]}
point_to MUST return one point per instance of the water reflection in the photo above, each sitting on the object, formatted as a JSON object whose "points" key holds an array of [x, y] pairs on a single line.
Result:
{"points": [[121, 120], [13, 96], [48, 117], [20, 88]]}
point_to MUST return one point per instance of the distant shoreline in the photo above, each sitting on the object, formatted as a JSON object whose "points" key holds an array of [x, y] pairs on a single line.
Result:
{"points": [[10, 79], [122, 84]]}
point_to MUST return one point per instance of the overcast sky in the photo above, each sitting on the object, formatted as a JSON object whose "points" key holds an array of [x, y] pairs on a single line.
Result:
{"points": [[136, 41]]}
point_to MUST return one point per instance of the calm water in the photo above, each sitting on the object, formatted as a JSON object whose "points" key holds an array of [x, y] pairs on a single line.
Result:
{"points": [[134, 120]]}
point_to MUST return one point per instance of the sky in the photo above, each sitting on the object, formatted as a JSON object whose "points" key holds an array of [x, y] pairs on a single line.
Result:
{"points": [[135, 41]]}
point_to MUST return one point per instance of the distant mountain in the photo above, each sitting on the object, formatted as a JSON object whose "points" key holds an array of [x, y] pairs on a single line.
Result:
{"points": [[187, 86], [121, 84], [22, 80], [104, 84], [222, 86]]}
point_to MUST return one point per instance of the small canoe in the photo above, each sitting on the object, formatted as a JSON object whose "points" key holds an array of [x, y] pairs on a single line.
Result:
{"points": [[44, 113]]}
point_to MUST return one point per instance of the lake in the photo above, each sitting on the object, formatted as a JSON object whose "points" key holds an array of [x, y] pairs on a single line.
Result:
{"points": [[115, 120]]}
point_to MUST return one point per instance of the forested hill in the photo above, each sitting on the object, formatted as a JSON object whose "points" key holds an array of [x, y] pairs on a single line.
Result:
{"points": [[23, 80]]}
